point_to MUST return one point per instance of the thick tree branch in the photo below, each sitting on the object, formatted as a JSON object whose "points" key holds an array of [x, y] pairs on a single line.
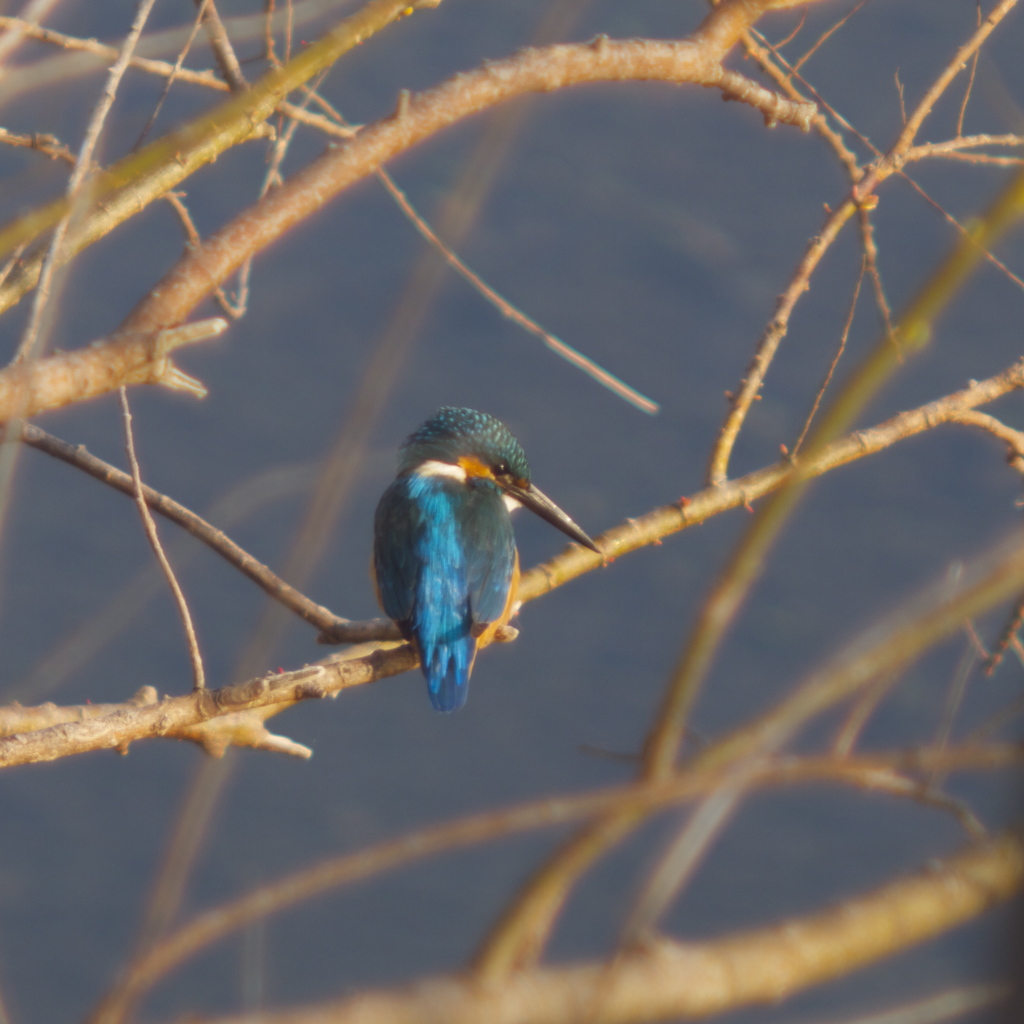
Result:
{"points": [[180, 717], [29, 387], [419, 117], [143, 177]]}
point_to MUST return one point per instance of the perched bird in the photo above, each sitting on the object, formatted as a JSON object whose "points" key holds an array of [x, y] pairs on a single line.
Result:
{"points": [[444, 558]]}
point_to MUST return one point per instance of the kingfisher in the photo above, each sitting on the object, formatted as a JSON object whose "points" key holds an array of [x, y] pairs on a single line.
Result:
{"points": [[445, 563]]}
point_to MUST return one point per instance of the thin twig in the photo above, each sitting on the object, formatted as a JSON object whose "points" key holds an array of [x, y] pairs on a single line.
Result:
{"points": [[970, 85], [964, 233], [824, 37], [840, 348], [797, 29], [869, 248], [1007, 637], [768, 344], [172, 76], [1013, 439], [207, 79], [271, 178], [109, 618], [269, 51], [951, 146], [49, 145], [33, 337], [144, 176], [899, 93], [63, 69], [949, 72], [198, 675], [567, 352], [984, 159], [783, 75], [517, 316]]}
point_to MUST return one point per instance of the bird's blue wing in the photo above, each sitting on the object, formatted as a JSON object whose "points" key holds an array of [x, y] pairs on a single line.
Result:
{"points": [[397, 526], [490, 554], [443, 560]]}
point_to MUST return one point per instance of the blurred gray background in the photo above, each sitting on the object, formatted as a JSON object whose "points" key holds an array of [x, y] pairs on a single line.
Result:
{"points": [[650, 226]]}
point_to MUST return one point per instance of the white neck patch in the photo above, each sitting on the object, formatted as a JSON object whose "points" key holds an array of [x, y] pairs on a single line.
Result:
{"points": [[434, 468]]}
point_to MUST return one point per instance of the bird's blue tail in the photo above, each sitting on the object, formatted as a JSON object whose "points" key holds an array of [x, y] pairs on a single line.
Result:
{"points": [[447, 665]]}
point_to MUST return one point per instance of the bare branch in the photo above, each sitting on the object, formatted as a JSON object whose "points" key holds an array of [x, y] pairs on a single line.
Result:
{"points": [[220, 42], [768, 345], [840, 348], [862, 194], [361, 665], [144, 176], [140, 358], [339, 630], [567, 352], [49, 145], [532, 70]]}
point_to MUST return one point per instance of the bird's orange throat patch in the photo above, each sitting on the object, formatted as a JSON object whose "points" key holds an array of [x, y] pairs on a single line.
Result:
{"points": [[473, 467]]}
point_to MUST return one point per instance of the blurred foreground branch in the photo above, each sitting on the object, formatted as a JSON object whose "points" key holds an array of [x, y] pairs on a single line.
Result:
{"points": [[677, 981]]}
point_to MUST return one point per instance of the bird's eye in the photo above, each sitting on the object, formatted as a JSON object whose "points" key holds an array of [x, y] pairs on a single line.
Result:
{"points": [[501, 468]]}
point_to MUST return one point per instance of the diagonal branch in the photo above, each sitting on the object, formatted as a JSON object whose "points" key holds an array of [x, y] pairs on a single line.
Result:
{"points": [[340, 630], [879, 773], [419, 117], [144, 176]]}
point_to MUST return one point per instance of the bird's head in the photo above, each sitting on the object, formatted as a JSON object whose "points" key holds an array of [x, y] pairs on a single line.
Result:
{"points": [[470, 445]]}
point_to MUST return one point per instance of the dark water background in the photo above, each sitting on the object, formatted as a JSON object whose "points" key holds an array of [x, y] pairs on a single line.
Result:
{"points": [[651, 226]]}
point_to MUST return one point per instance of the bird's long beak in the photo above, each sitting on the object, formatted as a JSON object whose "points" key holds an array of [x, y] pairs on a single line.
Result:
{"points": [[537, 501]]}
